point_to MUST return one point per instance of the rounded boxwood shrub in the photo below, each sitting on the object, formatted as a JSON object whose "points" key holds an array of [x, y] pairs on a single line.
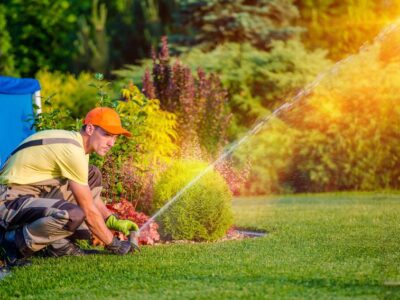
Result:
{"points": [[203, 212]]}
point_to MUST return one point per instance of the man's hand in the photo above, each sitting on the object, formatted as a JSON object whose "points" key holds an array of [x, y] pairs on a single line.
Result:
{"points": [[119, 247], [124, 226]]}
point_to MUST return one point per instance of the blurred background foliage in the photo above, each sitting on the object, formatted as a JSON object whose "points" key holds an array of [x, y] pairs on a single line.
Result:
{"points": [[102, 36], [207, 24], [344, 136], [223, 65], [343, 26], [352, 122]]}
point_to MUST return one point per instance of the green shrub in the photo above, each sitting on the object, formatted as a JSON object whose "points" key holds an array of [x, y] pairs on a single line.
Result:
{"points": [[203, 212]]}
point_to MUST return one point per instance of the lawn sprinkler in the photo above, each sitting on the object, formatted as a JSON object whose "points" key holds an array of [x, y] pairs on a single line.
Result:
{"points": [[4, 269], [133, 238]]}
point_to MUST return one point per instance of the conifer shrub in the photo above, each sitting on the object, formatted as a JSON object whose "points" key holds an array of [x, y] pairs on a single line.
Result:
{"points": [[202, 213]]}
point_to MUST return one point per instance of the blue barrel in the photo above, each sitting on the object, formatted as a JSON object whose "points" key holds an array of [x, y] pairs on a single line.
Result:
{"points": [[16, 108]]}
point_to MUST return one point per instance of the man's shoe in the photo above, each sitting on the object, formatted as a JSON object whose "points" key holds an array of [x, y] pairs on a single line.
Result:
{"points": [[22, 262], [69, 249], [9, 251]]}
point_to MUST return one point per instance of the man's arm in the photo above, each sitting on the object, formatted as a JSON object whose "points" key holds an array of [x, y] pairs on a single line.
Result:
{"points": [[94, 217], [104, 211]]}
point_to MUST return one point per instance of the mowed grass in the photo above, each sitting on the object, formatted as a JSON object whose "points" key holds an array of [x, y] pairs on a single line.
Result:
{"points": [[325, 246]]}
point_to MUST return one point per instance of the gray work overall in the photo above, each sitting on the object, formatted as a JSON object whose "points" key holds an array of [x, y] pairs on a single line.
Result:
{"points": [[46, 212]]}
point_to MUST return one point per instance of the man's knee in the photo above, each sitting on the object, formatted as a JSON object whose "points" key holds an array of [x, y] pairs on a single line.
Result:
{"points": [[94, 177], [75, 216]]}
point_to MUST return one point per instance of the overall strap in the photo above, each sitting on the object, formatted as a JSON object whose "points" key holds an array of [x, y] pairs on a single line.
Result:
{"points": [[40, 142], [47, 141]]}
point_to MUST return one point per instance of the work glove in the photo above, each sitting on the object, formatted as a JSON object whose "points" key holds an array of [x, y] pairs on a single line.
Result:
{"points": [[124, 226], [119, 247]]}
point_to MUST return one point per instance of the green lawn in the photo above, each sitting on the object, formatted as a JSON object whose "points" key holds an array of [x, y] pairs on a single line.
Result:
{"points": [[325, 246]]}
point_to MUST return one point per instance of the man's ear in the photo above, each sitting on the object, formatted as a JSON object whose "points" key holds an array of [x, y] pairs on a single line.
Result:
{"points": [[90, 128]]}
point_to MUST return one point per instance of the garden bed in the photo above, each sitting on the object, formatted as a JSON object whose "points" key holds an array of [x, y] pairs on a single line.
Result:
{"points": [[232, 234]]}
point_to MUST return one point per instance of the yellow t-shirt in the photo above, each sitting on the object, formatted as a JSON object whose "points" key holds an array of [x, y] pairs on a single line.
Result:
{"points": [[53, 161]]}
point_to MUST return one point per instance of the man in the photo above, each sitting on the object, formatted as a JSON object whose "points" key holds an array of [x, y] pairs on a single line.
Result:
{"points": [[49, 196]]}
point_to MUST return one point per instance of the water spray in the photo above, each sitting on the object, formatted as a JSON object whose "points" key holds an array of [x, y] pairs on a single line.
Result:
{"points": [[259, 124]]}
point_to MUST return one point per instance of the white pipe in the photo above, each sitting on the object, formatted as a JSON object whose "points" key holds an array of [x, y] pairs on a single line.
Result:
{"points": [[38, 102]]}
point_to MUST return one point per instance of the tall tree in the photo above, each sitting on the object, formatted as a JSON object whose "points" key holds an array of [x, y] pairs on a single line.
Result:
{"points": [[42, 32], [137, 25], [6, 56], [92, 42]]}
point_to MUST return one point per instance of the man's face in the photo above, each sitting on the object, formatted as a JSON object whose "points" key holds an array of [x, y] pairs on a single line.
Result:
{"points": [[100, 140]]}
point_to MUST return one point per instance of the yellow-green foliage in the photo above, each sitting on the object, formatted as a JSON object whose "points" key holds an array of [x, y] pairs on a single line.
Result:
{"points": [[68, 91], [156, 134], [343, 26], [134, 163], [203, 212]]}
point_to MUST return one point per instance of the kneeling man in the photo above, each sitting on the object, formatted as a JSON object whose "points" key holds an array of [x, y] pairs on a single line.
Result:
{"points": [[50, 196]]}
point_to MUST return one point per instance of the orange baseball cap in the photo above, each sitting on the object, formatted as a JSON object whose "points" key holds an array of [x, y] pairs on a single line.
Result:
{"points": [[106, 118]]}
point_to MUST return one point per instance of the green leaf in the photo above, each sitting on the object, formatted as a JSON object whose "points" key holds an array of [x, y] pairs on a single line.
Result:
{"points": [[142, 114], [99, 76]]}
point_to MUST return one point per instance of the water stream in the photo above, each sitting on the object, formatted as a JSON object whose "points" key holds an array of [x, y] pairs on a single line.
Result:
{"points": [[262, 122]]}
